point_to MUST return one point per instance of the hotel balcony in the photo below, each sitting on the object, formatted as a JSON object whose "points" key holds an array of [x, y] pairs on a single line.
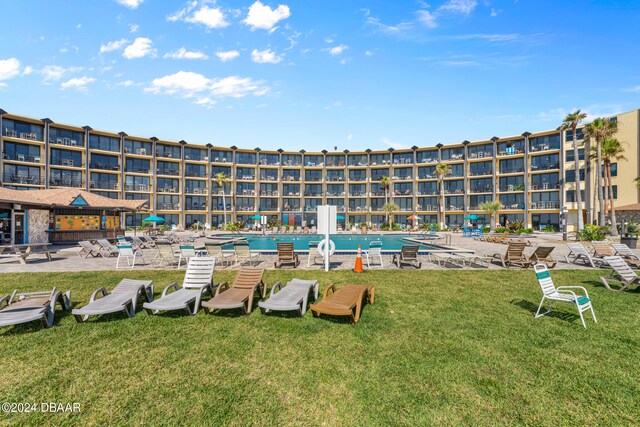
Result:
{"points": [[22, 158], [67, 163], [69, 142], [196, 207], [545, 205], [145, 188], [57, 182], [103, 166], [23, 179], [481, 189], [198, 190], [104, 185], [12, 133], [169, 206], [168, 172]]}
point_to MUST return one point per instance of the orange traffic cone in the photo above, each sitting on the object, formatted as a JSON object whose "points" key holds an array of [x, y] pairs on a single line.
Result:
{"points": [[358, 268]]}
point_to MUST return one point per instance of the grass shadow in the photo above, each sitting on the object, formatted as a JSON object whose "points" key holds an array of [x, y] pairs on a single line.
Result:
{"points": [[533, 308]]}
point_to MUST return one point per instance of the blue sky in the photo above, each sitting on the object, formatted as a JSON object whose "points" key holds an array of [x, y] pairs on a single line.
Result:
{"points": [[317, 74]]}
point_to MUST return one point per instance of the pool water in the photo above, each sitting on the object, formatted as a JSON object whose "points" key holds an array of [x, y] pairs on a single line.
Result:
{"points": [[343, 242]]}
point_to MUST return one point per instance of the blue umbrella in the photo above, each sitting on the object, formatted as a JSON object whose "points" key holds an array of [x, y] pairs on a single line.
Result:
{"points": [[153, 218], [472, 216], [340, 217], [256, 217]]}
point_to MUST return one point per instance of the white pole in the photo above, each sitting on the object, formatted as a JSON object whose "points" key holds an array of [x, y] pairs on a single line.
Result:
{"points": [[327, 245]]}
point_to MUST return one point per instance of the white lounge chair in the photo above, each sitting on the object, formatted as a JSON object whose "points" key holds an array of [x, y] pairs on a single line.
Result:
{"points": [[561, 293], [197, 282], [31, 306], [187, 252], [293, 296], [107, 249], [244, 253], [622, 274], [140, 244], [127, 252], [313, 253], [579, 253], [375, 250], [149, 241], [624, 251], [166, 254], [220, 255], [122, 299], [86, 249]]}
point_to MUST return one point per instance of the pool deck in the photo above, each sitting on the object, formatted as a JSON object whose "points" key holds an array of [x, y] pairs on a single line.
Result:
{"points": [[67, 259]]}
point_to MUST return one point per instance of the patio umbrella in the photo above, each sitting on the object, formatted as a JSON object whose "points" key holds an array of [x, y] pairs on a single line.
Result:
{"points": [[4, 215], [256, 217], [154, 219], [472, 217], [340, 217], [414, 218]]}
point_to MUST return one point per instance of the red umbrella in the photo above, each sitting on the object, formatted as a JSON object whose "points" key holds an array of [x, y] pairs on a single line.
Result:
{"points": [[412, 217]]}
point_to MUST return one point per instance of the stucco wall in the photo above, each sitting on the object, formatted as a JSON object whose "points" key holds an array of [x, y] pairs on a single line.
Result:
{"points": [[38, 226]]}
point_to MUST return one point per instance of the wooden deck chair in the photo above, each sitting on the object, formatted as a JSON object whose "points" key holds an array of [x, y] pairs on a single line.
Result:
{"points": [[244, 253], [240, 294], [197, 282], [375, 250], [500, 238], [86, 249], [578, 252], [24, 307], [625, 252], [126, 251], [407, 255], [286, 255], [622, 274], [346, 301], [561, 293], [216, 251], [543, 254], [602, 249], [513, 256]]}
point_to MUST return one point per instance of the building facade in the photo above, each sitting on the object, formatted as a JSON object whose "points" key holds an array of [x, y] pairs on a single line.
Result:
{"points": [[531, 175]]}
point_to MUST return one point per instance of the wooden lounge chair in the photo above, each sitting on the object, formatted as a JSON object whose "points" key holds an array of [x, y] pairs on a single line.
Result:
{"points": [[346, 301], [240, 294], [407, 255], [293, 296], [622, 274], [122, 299], [543, 254], [31, 306], [197, 282], [499, 238], [578, 252], [602, 249], [513, 256], [86, 249], [561, 293], [286, 255]]}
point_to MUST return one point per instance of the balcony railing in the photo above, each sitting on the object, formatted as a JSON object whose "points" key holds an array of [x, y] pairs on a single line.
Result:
{"points": [[66, 141], [358, 194], [545, 166], [428, 160], [268, 178], [168, 189], [32, 136], [196, 207], [454, 191], [314, 194], [169, 206], [514, 206], [137, 187], [507, 188], [245, 208], [171, 172], [104, 185], [543, 147], [545, 186], [291, 178], [23, 179], [292, 194], [61, 182], [549, 204], [247, 177], [426, 176], [480, 155], [481, 189], [104, 166], [197, 190], [22, 158], [358, 208], [427, 193], [335, 178], [138, 170], [269, 193], [481, 172], [69, 163], [241, 193], [397, 193], [291, 209], [201, 174], [512, 170]]}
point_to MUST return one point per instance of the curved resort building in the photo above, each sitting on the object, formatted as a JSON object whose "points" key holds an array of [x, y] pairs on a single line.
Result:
{"points": [[531, 175]]}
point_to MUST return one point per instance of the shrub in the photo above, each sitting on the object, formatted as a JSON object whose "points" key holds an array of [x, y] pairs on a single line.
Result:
{"points": [[501, 229], [384, 226], [528, 231], [395, 227], [593, 232], [516, 225], [632, 228], [363, 225], [486, 229], [549, 228]]}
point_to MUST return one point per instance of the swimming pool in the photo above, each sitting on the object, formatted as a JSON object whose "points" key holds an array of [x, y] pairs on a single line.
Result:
{"points": [[344, 242]]}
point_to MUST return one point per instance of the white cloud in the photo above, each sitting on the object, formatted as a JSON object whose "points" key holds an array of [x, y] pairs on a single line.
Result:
{"points": [[336, 104], [183, 53], [140, 47], [52, 73], [210, 17], [131, 4], [134, 28], [349, 137], [9, 68], [427, 18], [337, 50], [368, 53], [79, 83], [265, 57], [459, 6], [495, 12], [78, 26], [126, 83], [401, 28], [114, 45], [228, 55], [27, 70], [205, 91], [329, 40], [392, 144], [262, 17], [634, 89]]}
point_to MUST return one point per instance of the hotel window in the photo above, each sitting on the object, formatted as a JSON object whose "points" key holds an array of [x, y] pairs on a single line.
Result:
{"points": [[168, 151], [336, 202], [195, 170], [402, 158], [137, 147], [195, 203], [453, 154], [245, 204], [403, 189], [615, 191], [171, 219], [216, 204], [579, 135], [358, 175], [545, 162], [503, 218], [454, 203], [570, 175], [191, 219], [377, 174], [377, 204], [24, 130], [545, 181], [168, 185], [546, 196], [614, 169], [482, 185], [335, 190], [269, 159], [569, 155], [402, 173], [66, 178], [245, 173], [291, 160], [427, 204], [138, 165], [313, 190], [246, 158], [103, 181], [404, 204], [104, 162], [19, 174], [21, 152], [511, 147], [512, 183], [268, 174], [215, 170], [66, 137], [269, 204], [313, 175], [428, 156], [512, 166], [426, 172], [335, 175], [428, 188], [357, 190], [137, 183], [456, 186], [66, 158], [311, 204], [221, 156], [195, 186], [571, 196], [291, 175], [167, 203], [480, 151], [246, 189], [380, 159], [539, 221], [168, 168], [476, 201], [357, 159], [197, 154], [457, 171], [357, 204], [269, 190], [542, 143], [512, 201], [314, 160], [291, 189], [290, 204], [109, 194], [335, 160], [105, 143], [481, 168]]}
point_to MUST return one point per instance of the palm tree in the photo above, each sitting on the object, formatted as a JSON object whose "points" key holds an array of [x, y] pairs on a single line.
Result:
{"points": [[611, 150], [442, 169], [390, 208], [600, 129], [492, 208], [572, 121], [221, 179], [385, 183]]}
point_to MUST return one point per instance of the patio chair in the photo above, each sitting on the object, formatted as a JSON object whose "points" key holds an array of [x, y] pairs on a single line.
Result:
{"points": [[313, 252], [346, 301], [407, 255], [197, 282], [461, 259], [543, 254], [513, 256], [286, 255], [149, 241], [375, 250], [31, 306], [216, 251], [187, 252], [86, 249], [561, 293], [625, 252], [622, 274], [166, 254], [107, 249], [240, 294], [579, 253], [293, 296], [602, 249], [141, 244], [499, 238], [127, 252], [244, 253], [122, 299]]}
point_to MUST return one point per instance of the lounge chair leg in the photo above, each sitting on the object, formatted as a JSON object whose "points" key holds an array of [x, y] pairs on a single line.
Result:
{"points": [[540, 308], [78, 318]]}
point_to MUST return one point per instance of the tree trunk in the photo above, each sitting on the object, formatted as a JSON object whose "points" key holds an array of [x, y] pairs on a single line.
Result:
{"points": [[614, 223], [224, 208], [441, 203], [587, 184], [578, 196], [599, 183]]}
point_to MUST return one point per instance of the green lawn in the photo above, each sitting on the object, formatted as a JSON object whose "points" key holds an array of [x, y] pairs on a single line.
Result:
{"points": [[438, 347]]}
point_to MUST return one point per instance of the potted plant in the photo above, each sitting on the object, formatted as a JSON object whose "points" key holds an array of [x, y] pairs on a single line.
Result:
{"points": [[363, 227]]}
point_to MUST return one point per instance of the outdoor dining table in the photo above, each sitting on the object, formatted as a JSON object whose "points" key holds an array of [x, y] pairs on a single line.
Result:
{"points": [[22, 251]]}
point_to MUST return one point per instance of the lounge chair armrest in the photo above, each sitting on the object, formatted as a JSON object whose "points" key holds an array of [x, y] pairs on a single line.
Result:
{"points": [[4, 300], [574, 287], [564, 291], [275, 288], [166, 290], [326, 291], [224, 285], [94, 295]]}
